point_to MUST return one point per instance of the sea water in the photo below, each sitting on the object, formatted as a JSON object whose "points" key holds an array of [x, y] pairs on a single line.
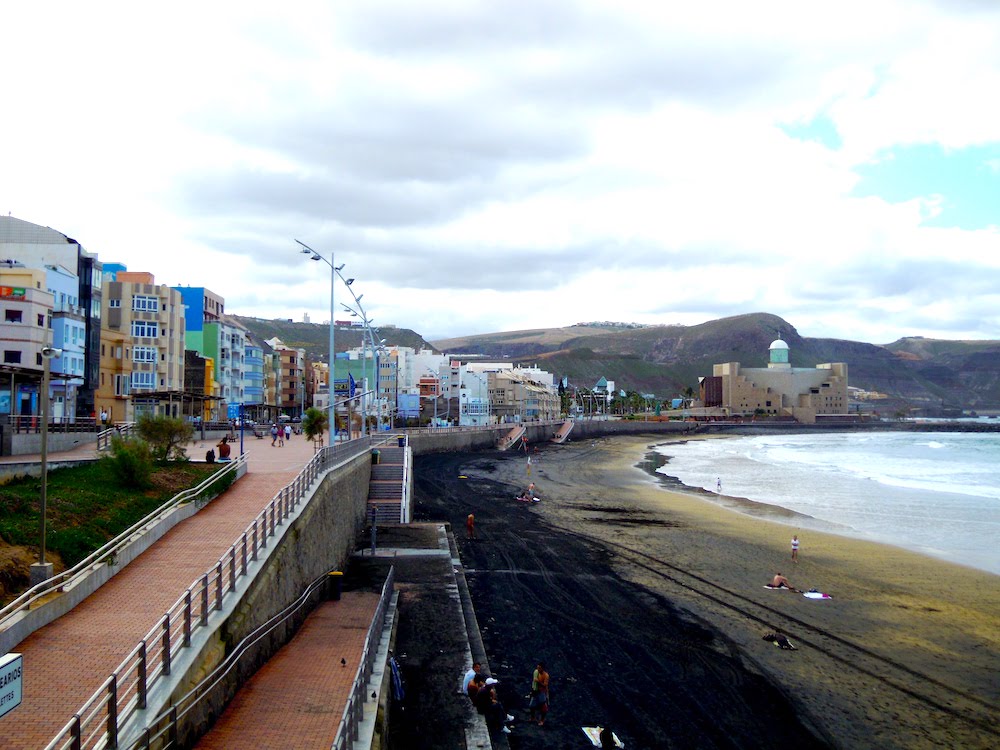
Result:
{"points": [[933, 492]]}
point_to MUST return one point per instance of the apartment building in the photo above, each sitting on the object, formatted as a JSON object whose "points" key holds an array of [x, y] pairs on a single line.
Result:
{"points": [[152, 316], [26, 306], [114, 390], [39, 247], [69, 334], [224, 341], [289, 366]]}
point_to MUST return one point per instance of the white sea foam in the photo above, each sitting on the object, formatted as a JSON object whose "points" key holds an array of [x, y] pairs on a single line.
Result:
{"points": [[940, 495]]}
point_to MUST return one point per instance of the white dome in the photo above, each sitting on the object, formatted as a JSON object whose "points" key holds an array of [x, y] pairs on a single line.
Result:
{"points": [[777, 344]]}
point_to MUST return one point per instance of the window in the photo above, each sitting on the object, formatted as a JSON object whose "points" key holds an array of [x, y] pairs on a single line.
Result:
{"points": [[12, 316], [114, 303], [41, 320], [142, 303], [145, 329], [144, 354], [143, 380], [122, 385], [11, 357]]}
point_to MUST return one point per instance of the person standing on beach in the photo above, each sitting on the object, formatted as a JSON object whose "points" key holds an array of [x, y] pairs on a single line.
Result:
{"points": [[470, 526], [795, 549], [718, 485], [539, 694]]}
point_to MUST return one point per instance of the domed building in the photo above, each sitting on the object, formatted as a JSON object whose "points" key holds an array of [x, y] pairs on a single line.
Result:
{"points": [[807, 395]]}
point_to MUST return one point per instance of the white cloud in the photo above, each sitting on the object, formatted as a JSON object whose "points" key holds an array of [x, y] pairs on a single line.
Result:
{"points": [[490, 166]]}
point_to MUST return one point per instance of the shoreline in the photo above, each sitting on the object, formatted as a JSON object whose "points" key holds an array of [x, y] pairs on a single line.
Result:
{"points": [[798, 520], [940, 620]]}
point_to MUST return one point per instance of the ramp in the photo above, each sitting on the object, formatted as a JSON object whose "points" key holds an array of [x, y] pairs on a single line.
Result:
{"points": [[563, 432], [511, 438]]}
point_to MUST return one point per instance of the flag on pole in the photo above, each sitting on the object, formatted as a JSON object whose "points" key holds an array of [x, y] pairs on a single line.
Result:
{"points": [[352, 384]]}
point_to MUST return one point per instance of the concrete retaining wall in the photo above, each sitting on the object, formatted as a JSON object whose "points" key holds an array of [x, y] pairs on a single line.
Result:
{"points": [[28, 443], [319, 538]]}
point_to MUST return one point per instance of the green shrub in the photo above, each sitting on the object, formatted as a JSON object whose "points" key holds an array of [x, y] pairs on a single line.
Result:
{"points": [[130, 462], [166, 436]]}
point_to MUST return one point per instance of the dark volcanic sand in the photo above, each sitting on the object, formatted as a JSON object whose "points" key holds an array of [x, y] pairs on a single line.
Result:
{"points": [[618, 654]]}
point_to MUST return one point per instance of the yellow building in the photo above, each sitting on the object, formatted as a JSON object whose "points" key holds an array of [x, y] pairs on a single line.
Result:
{"points": [[779, 390], [113, 396], [151, 317]]}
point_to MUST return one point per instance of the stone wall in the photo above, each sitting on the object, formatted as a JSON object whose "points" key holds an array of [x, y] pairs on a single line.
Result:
{"points": [[319, 539]]}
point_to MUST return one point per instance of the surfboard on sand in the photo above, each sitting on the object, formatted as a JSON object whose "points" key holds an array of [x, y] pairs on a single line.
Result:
{"points": [[594, 735]]}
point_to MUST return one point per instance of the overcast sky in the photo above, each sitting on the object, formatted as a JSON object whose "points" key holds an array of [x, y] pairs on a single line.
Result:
{"points": [[491, 166]]}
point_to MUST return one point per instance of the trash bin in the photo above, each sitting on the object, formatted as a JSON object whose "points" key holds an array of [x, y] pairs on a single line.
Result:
{"points": [[402, 441], [376, 456]]}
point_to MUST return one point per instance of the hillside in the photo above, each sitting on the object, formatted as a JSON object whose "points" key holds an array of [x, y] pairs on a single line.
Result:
{"points": [[666, 360], [315, 337]]}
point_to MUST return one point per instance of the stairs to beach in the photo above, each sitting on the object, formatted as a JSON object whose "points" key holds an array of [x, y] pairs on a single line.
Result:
{"points": [[387, 485]]}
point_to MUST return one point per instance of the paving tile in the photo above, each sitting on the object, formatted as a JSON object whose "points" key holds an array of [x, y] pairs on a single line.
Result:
{"points": [[297, 698], [66, 661]]}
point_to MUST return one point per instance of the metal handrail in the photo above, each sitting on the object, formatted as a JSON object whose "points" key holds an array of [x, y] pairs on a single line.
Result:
{"points": [[161, 732], [110, 549], [158, 648], [353, 711], [104, 437]]}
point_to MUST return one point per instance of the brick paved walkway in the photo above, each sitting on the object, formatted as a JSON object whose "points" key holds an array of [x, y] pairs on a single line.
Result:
{"points": [[66, 661], [297, 699]]}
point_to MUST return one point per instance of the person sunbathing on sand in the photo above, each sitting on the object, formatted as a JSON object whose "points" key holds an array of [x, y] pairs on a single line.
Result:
{"points": [[780, 582]]}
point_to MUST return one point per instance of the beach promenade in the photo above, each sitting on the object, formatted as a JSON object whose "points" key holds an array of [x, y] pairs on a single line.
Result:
{"points": [[66, 661]]}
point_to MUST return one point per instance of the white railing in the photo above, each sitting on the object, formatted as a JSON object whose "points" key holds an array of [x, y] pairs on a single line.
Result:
{"points": [[97, 723], [109, 551]]}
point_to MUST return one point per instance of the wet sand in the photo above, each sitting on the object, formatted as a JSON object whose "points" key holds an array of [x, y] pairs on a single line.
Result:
{"points": [[931, 677]]}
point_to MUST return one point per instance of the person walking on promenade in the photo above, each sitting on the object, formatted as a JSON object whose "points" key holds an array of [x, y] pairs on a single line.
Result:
{"points": [[539, 701], [470, 526], [274, 433], [795, 549], [288, 432]]}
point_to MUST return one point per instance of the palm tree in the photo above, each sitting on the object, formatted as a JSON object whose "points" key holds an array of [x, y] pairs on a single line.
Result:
{"points": [[314, 424]]}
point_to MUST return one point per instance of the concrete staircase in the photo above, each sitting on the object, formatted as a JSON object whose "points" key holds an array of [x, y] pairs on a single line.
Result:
{"points": [[387, 485]]}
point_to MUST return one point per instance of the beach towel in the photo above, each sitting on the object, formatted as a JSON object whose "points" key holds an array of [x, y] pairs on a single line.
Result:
{"points": [[594, 735], [777, 588], [814, 594]]}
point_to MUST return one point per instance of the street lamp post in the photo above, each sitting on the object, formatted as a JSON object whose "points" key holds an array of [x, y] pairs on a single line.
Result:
{"points": [[42, 570], [334, 272]]}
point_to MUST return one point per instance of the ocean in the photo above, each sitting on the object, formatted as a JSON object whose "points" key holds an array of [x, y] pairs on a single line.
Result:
{"points": [[937, 493]]}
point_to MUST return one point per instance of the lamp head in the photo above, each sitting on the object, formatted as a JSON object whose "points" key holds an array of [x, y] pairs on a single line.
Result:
{"points": [[339, 268], [316, 257], [50, 351], [348, 281]]}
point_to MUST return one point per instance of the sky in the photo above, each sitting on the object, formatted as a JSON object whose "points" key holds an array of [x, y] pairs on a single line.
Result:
{"points": [[494, 166]]}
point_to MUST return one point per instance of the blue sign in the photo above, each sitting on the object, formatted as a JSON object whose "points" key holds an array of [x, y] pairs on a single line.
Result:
{"points": [[233, 411]]}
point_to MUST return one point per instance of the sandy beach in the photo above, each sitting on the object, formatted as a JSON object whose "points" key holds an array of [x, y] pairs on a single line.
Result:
{"points": [[933, 627]]}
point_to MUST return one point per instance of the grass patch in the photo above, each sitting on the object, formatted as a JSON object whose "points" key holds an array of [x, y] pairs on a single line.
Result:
{"points": [[87, 506]]}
